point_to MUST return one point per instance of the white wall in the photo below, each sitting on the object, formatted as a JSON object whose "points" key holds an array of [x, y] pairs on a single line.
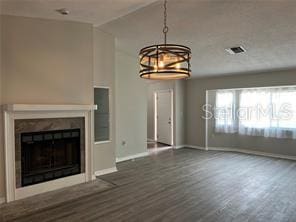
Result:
{"points": [[104, 75], [131, 107]]}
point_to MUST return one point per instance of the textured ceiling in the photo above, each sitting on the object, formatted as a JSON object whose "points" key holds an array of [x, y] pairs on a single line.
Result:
{"points": [[96, 12], [265, 28]]}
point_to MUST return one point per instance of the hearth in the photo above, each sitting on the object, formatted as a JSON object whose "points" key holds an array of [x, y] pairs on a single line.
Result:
{"points": [[49, 155]]}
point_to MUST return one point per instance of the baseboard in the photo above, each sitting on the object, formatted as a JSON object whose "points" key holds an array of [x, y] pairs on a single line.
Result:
{"points": [[105, 171], [2, 200], [179, 146], [253, 152], [190, 146], [131, 157]]}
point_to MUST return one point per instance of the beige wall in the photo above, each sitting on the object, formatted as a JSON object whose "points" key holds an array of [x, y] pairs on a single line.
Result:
{"points": [[179, 112], [46, 61], [104, 75], [131, 107], [196, 93], [55, 62], [2, 193]]}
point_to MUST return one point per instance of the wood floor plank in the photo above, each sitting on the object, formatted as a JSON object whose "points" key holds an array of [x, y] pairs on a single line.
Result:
{"points": [[188, 185]]}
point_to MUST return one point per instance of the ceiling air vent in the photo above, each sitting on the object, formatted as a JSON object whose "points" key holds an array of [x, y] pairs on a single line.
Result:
{"points": [[235, 50], [63, 11]]}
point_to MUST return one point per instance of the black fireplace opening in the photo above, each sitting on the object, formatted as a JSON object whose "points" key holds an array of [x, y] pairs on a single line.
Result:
{"points": [[50, 155]]}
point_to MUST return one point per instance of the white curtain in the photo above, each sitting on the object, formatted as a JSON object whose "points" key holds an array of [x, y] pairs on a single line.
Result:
{"points": [[225, 112], [268, 112]]}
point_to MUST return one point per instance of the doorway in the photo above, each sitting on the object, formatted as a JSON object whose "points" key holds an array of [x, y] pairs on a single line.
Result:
{"points": [[163, 117], [163, 120]]}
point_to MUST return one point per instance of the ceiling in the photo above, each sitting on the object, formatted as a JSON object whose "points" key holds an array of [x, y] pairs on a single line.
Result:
{"points": [[265, 28], [96, 12]]}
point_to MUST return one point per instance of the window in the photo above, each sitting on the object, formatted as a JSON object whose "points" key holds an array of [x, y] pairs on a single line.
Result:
{"points": [[225, 105], [268, 112], [102, 115]]}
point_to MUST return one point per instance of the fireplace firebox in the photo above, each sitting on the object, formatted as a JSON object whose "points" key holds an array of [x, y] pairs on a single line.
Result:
{"points": [[49, 155]]}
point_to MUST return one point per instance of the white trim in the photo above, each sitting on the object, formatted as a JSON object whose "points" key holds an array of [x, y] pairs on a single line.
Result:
{"points": [[110, 114], [156, 92], [103, 87], [179, 146], [37, 107], [207, 123], [259, 87], [150, 140], [131, 157], [155, 115], [245, 151], [34, 111], [253, 152], [190, 146], [102, 142], [2, 200], [105, 171]]}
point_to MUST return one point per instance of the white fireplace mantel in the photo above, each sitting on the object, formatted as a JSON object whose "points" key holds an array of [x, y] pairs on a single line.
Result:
{"points": [[46, 108], [13, 112]]}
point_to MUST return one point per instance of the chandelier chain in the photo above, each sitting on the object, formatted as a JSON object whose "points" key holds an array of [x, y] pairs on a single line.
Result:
{"points": [[165, 28]]}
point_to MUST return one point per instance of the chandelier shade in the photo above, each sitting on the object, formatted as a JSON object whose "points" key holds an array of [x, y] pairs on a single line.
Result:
{"points": [[165, 61]]}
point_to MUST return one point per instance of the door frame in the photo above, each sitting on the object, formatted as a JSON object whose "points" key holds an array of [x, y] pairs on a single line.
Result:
{"points": [[171, 91]]}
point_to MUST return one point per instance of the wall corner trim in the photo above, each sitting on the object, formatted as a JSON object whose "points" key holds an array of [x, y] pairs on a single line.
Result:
{"points": [[190, 146], [105, 171], [131, 157], [2, 200]]}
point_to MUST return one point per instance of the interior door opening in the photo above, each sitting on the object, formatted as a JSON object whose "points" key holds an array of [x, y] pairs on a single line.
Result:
{"points": [[163, 117]]}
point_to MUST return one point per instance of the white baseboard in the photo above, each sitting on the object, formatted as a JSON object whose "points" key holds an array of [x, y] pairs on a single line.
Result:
{"points": [[131, 157], [246, 151], [105, 171], [179, 146], [253, 152], [190, 146], [2, 200]]}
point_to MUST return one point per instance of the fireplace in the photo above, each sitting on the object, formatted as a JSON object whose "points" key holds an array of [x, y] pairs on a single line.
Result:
{"points": [[47, 147], [49, 155]]}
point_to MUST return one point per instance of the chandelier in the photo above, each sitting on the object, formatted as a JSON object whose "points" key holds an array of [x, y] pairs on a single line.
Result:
{"points": [[165, 61]]}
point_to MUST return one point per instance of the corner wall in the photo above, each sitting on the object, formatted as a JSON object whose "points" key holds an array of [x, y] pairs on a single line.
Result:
{"points": [[131, 107], [55, 62], [195, 99], [104, 75]]}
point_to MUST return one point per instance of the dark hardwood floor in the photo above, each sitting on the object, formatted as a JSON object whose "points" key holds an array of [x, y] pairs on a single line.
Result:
{"points": [[188, 185]]}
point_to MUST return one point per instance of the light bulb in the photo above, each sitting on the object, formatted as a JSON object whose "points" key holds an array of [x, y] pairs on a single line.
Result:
{"points": [[161, 64]]}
